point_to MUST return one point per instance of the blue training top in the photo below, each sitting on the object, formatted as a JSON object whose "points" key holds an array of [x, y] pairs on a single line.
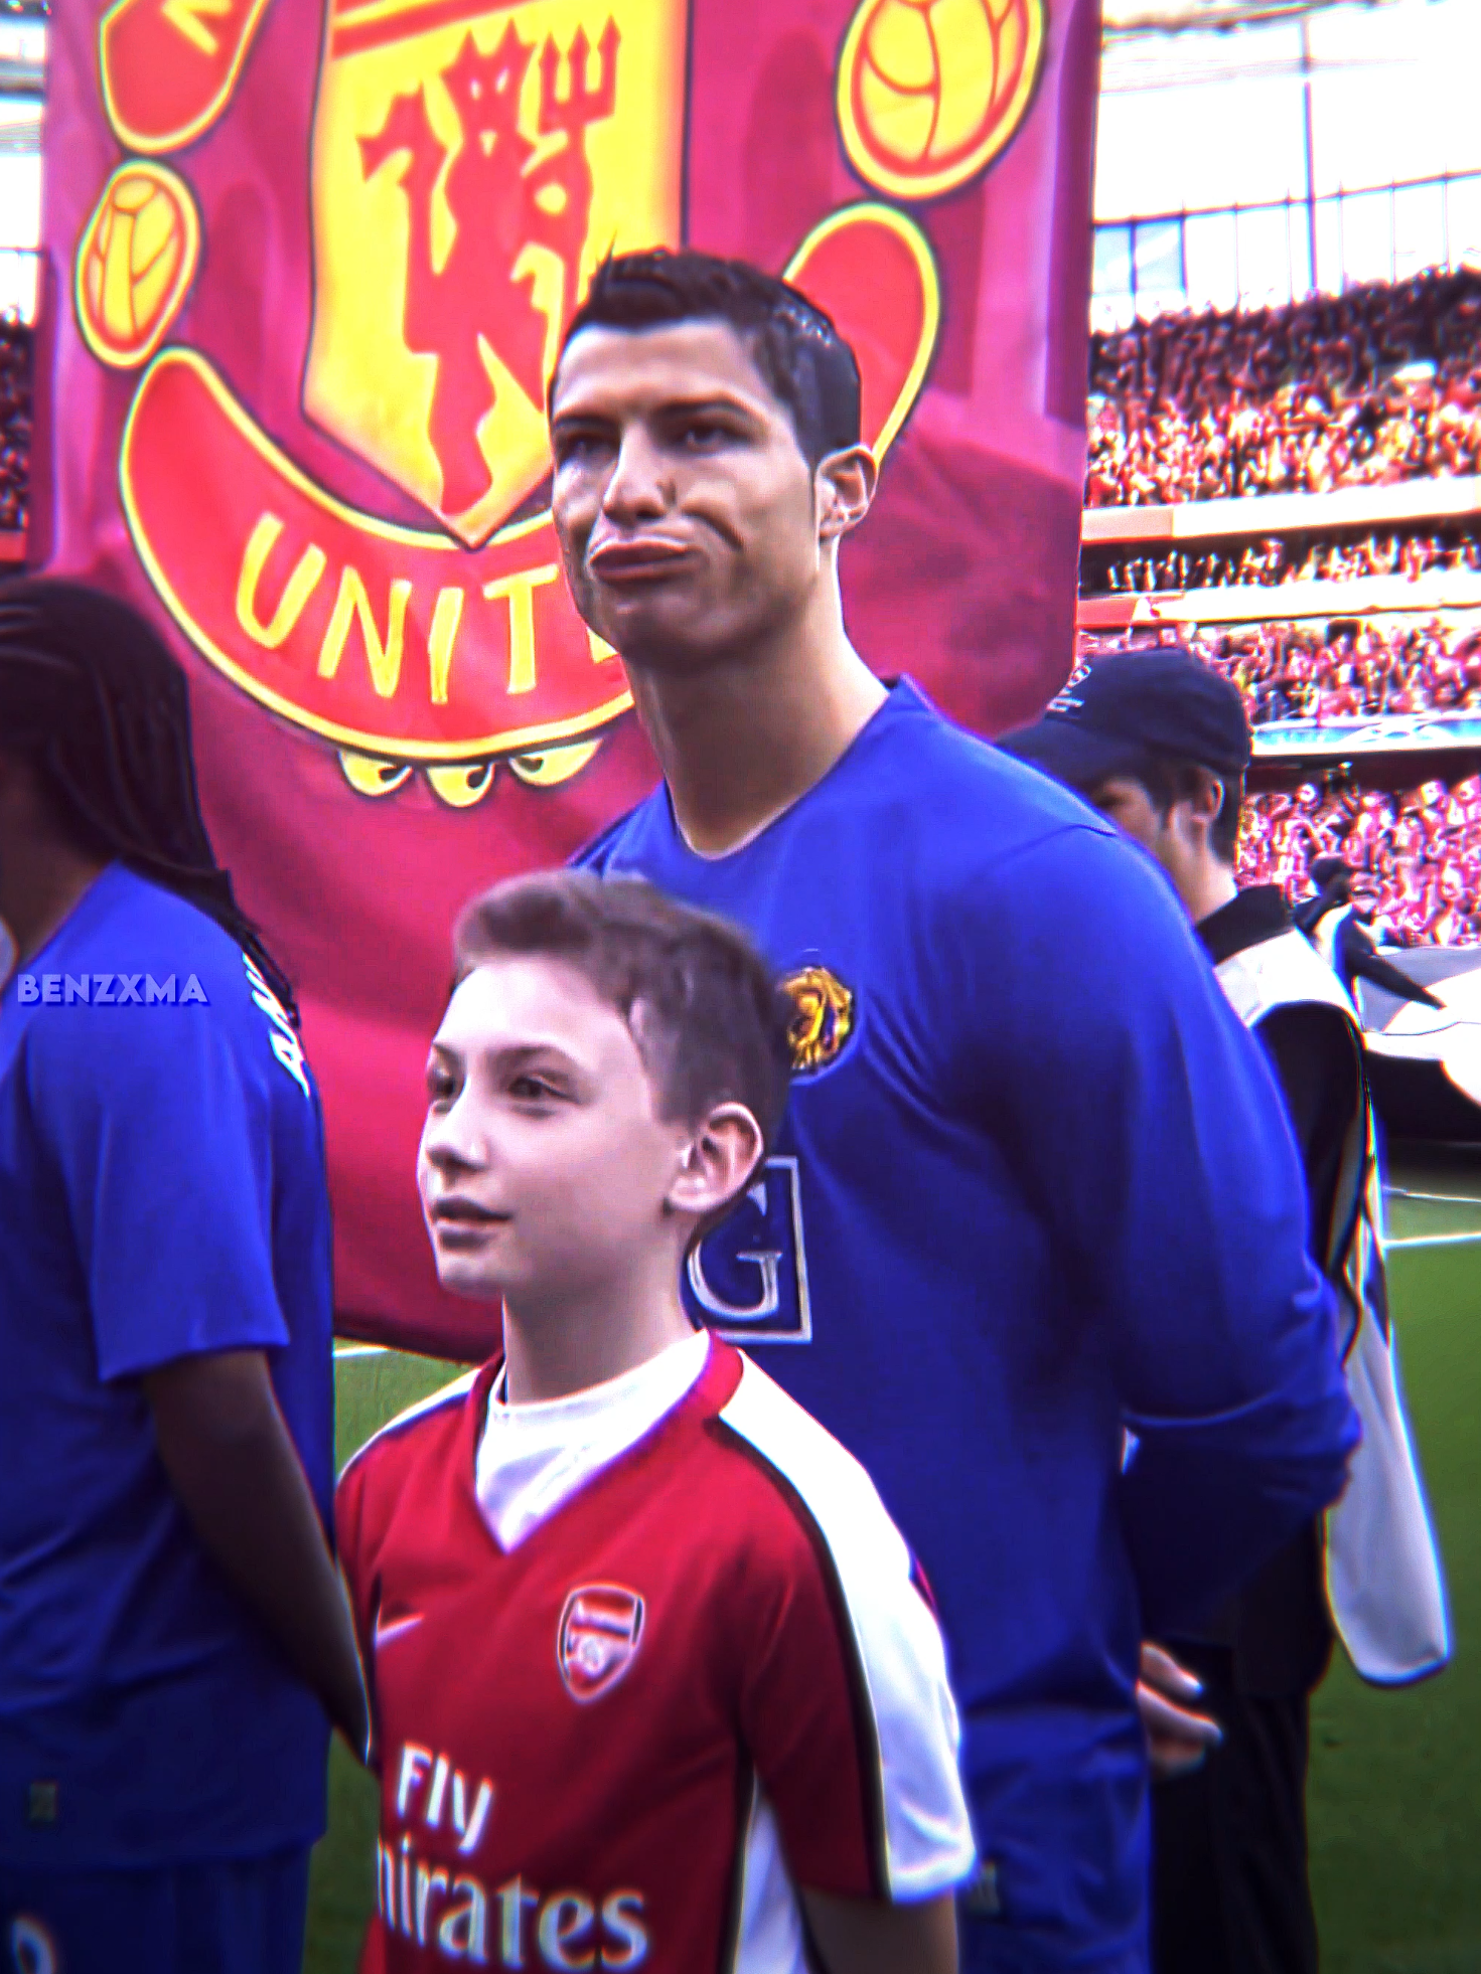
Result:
{"points": [[162, 1193], [1036, 1186]]}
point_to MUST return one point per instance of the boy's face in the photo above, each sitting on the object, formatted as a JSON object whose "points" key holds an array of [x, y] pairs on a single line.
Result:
{"points": [[543, 1166], [684, 506]]}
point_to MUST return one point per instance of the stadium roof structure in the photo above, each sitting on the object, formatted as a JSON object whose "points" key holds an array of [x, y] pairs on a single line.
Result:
{"points": [[1122, 17]]}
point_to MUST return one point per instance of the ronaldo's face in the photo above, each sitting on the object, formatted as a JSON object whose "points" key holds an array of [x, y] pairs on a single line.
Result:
{"points": [[543, 1167], [684, 507]]}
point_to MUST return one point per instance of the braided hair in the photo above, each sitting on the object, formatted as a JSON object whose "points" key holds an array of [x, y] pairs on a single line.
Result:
{"points": [[90, 694]]}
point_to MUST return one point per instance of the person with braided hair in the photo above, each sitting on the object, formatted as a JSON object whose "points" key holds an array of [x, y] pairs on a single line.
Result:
{"points": [[174, 1639]]}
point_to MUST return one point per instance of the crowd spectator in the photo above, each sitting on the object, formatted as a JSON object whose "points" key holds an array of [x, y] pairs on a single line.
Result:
{"points": [[1421, 847], [15, 424], [1348, 671], [1273, 560], [1376, 386]]}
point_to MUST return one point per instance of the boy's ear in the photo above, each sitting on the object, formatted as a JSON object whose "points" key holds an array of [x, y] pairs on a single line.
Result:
{"points": [[717, 1162], [844, 484]]}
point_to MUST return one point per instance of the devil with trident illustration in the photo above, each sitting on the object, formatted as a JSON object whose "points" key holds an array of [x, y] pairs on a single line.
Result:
{"points": [[505, 193]]}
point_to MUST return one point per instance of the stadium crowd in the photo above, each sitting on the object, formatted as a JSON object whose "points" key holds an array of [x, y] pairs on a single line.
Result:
{"points": [[1420, 847], [1348, 669], [1274, 560], [1381, 385], [1354, 670], [1376, 386], [15, 424]]}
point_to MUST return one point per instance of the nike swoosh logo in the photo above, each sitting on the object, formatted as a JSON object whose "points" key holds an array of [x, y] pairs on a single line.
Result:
{"points": [[384, 1633]]}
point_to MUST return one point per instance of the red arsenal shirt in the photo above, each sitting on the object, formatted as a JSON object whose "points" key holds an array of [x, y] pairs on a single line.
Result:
{"points": [[704, 1677]]}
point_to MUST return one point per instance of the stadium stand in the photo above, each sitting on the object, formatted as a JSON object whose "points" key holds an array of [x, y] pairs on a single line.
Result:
{"points": [[1348, 671], [1316, 425], [1377, 386], [1274, 559], [1420, 846]]}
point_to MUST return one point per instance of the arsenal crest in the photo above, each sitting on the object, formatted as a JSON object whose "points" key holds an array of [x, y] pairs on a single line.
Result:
{"points": [[600, 1628]]}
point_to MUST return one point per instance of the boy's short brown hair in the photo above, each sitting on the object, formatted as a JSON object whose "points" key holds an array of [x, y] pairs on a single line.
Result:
{"points": [[706, 1012]]}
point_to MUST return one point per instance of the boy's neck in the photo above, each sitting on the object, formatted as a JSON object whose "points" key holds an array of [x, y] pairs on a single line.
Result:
{"points": [[553, 1349]]}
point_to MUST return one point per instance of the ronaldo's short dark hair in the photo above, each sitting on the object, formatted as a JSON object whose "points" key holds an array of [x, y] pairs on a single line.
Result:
{"points": [[806, 363], [705, 1011]]}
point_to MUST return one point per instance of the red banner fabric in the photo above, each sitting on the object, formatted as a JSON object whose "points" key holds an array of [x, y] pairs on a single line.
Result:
{"points": [[307, 267]]}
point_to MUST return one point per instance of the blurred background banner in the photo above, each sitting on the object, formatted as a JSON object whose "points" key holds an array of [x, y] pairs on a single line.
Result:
{"points": [[305, 267]]}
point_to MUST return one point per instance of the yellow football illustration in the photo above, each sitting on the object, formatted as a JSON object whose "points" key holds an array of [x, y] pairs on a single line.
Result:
{"points": [[136, 262], [929, 91]]}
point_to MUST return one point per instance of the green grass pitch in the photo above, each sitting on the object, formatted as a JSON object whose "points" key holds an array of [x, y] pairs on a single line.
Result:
{"points": [[1395, 1795]]}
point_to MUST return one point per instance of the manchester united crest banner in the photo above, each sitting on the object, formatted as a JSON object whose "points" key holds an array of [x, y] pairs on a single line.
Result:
{"points": [[307, 265]]}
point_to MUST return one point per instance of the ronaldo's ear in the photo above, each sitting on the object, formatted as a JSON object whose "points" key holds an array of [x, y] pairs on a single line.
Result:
{"points": [[717, 1163], [843, 489]]}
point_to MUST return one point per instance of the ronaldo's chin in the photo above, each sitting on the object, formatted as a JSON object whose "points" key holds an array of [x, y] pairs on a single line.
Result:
{"points": [[669, 640], [655, 608]]}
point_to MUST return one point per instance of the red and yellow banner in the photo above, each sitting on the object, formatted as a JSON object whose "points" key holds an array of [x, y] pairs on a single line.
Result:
{"points": [[310, 269]]}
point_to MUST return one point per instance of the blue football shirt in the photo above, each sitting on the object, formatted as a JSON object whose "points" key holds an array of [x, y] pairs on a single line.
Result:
{"points": [[162, 1193], [1035, 1190]]}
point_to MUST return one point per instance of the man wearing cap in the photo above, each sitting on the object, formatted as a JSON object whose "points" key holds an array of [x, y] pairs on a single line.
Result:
{"points": [[1160, 743]]}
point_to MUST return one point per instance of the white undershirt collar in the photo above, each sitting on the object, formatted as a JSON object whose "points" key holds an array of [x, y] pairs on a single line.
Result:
{"points": [[533, 1457]]}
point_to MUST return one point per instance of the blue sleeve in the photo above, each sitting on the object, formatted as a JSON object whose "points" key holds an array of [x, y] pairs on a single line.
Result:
{"points": [[1145, 1124], [163, 1142]]}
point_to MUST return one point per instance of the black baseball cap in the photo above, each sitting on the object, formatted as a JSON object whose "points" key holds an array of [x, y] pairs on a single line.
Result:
{"points": [[1113, 712]]}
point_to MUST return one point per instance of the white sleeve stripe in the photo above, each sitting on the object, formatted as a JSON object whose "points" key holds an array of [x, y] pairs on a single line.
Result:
{"points": [[901, 1660], [861, 1700], [770, 1937]]}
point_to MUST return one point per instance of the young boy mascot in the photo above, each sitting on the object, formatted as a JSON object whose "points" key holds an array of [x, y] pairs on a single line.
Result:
{"points": [[653, 1681]]}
